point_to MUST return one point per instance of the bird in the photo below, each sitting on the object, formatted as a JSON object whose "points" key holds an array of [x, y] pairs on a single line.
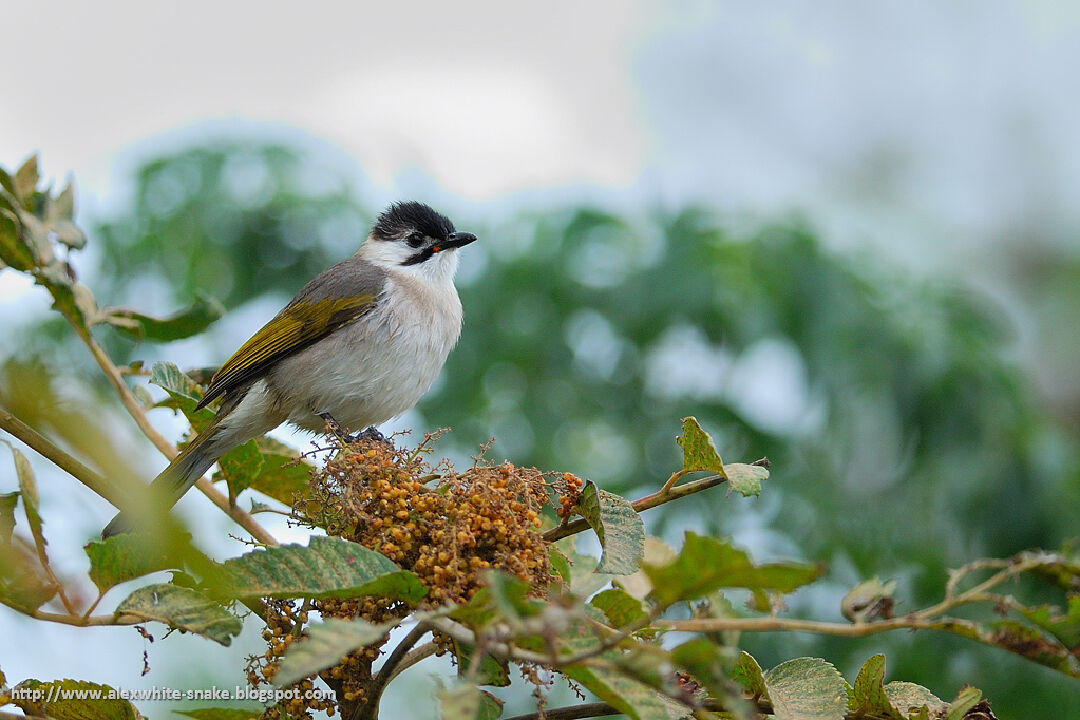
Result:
{"points": [[358, 345]]}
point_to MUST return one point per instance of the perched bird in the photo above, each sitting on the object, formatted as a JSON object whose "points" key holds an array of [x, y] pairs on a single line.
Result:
{"points": [[358, 345]]}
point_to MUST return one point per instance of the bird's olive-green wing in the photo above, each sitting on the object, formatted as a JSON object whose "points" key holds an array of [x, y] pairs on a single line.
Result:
{"points": [[335, 298]]}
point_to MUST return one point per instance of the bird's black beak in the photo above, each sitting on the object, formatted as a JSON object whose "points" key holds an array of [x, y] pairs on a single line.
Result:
{"points": [[454, 240]]}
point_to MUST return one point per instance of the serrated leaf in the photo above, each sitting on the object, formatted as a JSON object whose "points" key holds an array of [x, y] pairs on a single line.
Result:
{"points": [[560, 565], [618, 527], [629, 696], [326, 568], [74, 700], [221, 713], [967, 698], [745, 479], [131, 555], [706, 563], [748, 673], [184, 609], [699, 450], [240, 467], [183, 323], [869, 600], [468, 702], [619, 607], [807, 689], [868, 695], [327, 643], [26, 178], [904, 696]]}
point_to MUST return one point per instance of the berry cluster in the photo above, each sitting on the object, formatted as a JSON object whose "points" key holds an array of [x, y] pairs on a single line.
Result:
{"points": [[284, 626], [382, 497]]}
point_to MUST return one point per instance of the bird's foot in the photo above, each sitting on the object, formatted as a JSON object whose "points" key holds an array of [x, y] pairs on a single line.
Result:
{"points": [[334, 427], [371, 433]]}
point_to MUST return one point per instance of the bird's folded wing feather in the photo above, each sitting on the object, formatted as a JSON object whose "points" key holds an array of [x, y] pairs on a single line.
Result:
{"points": [[327, 303]]}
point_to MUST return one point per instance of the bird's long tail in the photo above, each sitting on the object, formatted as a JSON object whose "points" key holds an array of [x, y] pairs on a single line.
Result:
{"points": [[168, 487]]}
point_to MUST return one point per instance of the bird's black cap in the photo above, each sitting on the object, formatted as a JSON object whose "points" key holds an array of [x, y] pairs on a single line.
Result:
{"points": [[405, 217]]}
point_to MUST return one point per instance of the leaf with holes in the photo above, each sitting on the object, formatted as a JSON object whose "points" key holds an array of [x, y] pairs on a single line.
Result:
{"points": [[183, 609], [618, 527]]}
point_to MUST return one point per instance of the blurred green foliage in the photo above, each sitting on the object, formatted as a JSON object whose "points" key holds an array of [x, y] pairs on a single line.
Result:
{"points": [[904, 439]]}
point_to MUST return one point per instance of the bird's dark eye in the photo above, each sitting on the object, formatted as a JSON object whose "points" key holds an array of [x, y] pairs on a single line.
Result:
{"points": [[415, 239]]}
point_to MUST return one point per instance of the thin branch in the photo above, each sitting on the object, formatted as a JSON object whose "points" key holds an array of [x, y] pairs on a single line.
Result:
{"points": [[641, 504], [10, 716], [135, 409], [50, 451], [86, 621], [412, 658], [572, 712], [370, 708]]}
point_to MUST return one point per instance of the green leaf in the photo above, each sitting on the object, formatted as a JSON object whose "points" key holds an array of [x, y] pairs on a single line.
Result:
{"points": [[617, 525], [627, 695], [184, 323], [510, 595], [184, 394], [868, 601], [326, 568], [745, 479], [240, 467], [904, 696], [748, 673], [699, 451], [706, 563], [619, 607], [79, 700], [491, 670], [184, 609], [26, 178], [868, 695], [560, 565], [131, 555], [967, 698], [28, 490], [8, 501], [14, 250], [468, 702], [222, 713], [282, 475], [1064, 626], [327, 644], [807, 689]]}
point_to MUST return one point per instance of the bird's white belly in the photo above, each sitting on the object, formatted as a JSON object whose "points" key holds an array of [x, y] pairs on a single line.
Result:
{"points": [[375, 368]]}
